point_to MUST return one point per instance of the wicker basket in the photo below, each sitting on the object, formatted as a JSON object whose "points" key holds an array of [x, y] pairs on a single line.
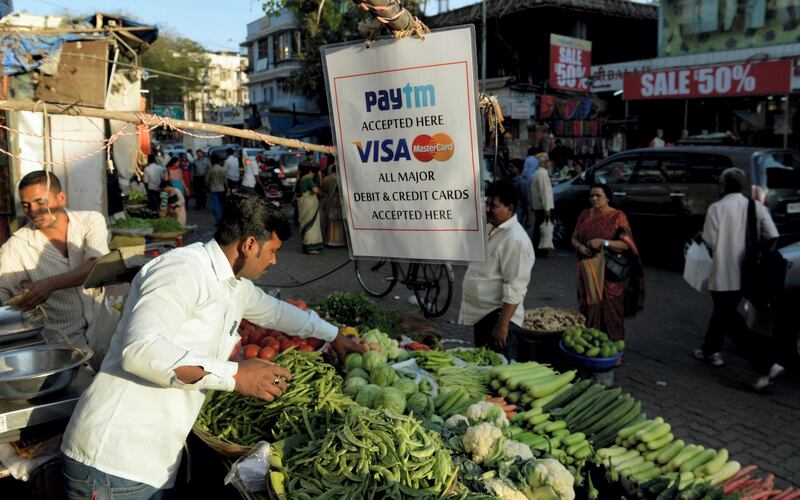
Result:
{"points": [[222, 447]]}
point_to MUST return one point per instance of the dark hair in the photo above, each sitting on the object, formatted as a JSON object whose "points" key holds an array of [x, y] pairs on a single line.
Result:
{"points": [[172, 161], [164, 184], [151, 158], [247, 215], [214, 159], [229, 151], [40, 177], [505, 191], [606, 190], [532, 151], [518, 164]]}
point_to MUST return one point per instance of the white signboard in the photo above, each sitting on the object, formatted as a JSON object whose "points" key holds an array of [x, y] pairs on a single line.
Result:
{"points": [[405, 123]]}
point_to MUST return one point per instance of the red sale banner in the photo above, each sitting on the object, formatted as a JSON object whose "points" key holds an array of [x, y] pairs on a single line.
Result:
{"points": [[570, 63], [773, 77]]}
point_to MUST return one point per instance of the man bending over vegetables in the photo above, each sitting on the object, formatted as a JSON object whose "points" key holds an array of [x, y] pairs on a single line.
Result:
{"points": [[173, 343]]}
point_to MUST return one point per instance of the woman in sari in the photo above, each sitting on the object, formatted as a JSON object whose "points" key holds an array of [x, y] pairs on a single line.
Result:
{"points": [[308, 211], [334, 229], [173, 204], [606, 298], [174, 176]]}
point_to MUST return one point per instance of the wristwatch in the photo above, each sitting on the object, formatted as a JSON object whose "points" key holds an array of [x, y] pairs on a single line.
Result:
{"points": [[605, 243]]}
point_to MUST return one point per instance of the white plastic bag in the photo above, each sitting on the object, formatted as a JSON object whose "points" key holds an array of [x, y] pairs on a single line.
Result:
{"points": [[249, 473], [546, 238], [697, 268]]}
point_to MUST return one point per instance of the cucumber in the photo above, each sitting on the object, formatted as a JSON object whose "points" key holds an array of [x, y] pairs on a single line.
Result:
{"points": [[660, 442], [725, 473], [600, 410], [628, 431], [572, 450], [654, 424], [560, 433], [568, 395], [574, 438], [611, 452], [697, 461], [552, 385], [554, 426], [645, 465], [670, 452], [715, 464], [591, 391], [618, 459], [629, 463], [626, 404], [583, 453], [651, 456], [656, 433], [538, 419], [690, 451]]}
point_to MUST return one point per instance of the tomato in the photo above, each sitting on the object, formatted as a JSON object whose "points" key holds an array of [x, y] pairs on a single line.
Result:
{"points": [[267, 353], [287, 344], [251, 351], [265, 341], [315, 343], [305, 348]]}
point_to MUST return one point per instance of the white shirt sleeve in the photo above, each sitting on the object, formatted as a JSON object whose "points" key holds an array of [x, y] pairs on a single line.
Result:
{"points": [[12, 270], [516, 261], [711, 228], [269, 312], [766, 225], [166, 298], [547, 192], [96, 236]]}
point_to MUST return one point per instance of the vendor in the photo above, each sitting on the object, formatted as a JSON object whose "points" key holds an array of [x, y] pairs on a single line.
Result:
{"points": [[173, 343], [46, 261], [493, 291]]}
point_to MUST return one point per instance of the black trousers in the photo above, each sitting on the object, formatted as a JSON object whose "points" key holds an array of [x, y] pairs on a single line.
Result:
{"points": [[199, 191], [482, 335], [153, 199], [726, 321]]}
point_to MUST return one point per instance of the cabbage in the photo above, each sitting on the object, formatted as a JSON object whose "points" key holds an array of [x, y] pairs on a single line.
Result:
{"points": [[382, 375], [388, 345], [357, 373], [371, 359], [419, 404], [352, 386], [352, 361], [391, 399], [403, 355], [368, 395], [406, 386]]}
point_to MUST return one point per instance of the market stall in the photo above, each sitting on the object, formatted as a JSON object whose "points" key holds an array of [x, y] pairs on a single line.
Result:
{"points": [[407, 420]]}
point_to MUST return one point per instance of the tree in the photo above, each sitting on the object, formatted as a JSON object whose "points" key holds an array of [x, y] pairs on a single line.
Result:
{"points": [[321, 22], [177, 55]]}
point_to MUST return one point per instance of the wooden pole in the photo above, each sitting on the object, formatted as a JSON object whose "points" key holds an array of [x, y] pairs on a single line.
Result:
{"points": [[55, 109]]}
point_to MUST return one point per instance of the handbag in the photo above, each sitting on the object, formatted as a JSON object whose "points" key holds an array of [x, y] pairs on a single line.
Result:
{"points": [[763, 271], [618, 265]]}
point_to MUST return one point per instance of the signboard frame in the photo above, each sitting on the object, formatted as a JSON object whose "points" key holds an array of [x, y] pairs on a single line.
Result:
{"points": [[476, 153]]}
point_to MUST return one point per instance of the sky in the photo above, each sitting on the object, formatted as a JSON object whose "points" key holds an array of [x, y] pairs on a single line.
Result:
{"points": [[216, 25]]}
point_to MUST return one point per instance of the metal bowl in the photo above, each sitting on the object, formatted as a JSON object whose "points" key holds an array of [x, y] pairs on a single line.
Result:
{"points": [[20, 325], [35, 371]]}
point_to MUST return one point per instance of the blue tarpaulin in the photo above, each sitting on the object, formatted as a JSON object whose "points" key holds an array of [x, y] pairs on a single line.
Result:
{"points": [[25, 53]]}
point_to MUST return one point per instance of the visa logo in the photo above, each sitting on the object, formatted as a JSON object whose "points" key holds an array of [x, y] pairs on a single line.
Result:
{"points": [[384, 151], [418, 96]]}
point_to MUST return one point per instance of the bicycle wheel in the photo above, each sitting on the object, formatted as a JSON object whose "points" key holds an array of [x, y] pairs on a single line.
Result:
{"points": [[434, 289], [376, 277]]}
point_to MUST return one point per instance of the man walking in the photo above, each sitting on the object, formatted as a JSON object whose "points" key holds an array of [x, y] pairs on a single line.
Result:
{"points": [[541, 200], [200, 167], [232, 169], [725, 234], [217, 184], [493, 291], [153, 175]]}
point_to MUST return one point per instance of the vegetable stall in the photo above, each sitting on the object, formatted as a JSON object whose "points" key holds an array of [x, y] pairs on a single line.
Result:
{"points": [[406, 420]]}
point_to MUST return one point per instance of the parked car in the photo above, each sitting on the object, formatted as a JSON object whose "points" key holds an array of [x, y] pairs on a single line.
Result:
{"points": [[221, 150], [665, 192]]}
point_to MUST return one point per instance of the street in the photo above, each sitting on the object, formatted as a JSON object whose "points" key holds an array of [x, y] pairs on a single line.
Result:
{"points": [[711, 406]]}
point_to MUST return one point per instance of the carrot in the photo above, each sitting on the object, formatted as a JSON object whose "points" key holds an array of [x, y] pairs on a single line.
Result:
{"points": [[735, 485], [763, 494], [742, 472], [784, 494], [769, 482]]}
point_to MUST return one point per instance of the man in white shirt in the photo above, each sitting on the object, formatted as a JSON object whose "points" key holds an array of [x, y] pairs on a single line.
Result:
{"points": [[46, 262], [232, 169], [173, 344], [541, 200], [725, 234], [250, 178], [200, 167], [658, 140], [153, 175], [493, 291]]}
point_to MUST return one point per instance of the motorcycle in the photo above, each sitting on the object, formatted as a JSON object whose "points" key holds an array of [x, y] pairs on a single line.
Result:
{"points": [[271, 176]]}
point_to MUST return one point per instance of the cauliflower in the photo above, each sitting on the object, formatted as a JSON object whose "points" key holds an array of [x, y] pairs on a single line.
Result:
{"points": [[457, 422], [487, 412], [549, 479], [503, 489], [482, 442], [514, 449]]}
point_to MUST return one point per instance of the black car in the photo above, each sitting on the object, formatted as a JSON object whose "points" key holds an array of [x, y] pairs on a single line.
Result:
{"points": [[665, 192]]}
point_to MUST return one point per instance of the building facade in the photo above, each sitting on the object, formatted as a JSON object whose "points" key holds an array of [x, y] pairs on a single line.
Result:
{"points": [[272, 46], [224, 97]]}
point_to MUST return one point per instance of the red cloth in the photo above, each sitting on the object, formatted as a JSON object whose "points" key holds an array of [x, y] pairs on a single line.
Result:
{"points": [[620, 299], [547, 104]]}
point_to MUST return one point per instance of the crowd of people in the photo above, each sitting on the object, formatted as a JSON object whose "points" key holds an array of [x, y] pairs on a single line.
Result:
{"points": [[170, 182]]}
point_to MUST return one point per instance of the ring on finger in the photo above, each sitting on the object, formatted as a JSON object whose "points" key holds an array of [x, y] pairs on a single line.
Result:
{"points": [[278, 381]]}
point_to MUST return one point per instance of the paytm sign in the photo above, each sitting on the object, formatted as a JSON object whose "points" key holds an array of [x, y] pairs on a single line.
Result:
{"points": [[418, 96]]}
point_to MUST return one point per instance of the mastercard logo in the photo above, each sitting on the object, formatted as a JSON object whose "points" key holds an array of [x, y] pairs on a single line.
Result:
{"points": [[437, 147]]}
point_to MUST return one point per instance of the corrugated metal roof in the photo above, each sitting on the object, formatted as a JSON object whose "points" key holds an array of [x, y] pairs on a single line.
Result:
{"points": [[500, 8]]}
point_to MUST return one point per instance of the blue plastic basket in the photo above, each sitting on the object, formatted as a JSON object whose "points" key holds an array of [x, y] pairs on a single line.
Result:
{"points": [[590, 364]]}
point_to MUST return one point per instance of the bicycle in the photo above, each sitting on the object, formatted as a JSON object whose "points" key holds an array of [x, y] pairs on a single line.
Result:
{"points": [[432, 284]]}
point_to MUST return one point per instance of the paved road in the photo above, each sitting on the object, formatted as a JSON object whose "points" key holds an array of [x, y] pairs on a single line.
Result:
{"points": [[710, 406]]}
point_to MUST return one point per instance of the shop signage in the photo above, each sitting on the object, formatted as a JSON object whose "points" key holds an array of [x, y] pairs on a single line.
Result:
{"points": [[570, 63], [405, 124], [723, 80]]}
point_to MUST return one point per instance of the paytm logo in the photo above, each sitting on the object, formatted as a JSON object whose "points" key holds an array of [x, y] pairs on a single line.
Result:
{"points": [[417, 96], [424, 148]]}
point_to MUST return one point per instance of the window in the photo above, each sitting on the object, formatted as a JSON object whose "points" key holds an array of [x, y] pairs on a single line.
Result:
{"points": [[706, 169], [671, 169], [286, 46], [782, 169], [615, 172], [263, 48]]}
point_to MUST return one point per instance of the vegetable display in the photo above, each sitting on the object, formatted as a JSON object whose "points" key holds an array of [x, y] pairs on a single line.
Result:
{"points": [[137, 197], [591, 342], [132, 223], [371, 454], [481, 356], [551, 319], [160, 225]]}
